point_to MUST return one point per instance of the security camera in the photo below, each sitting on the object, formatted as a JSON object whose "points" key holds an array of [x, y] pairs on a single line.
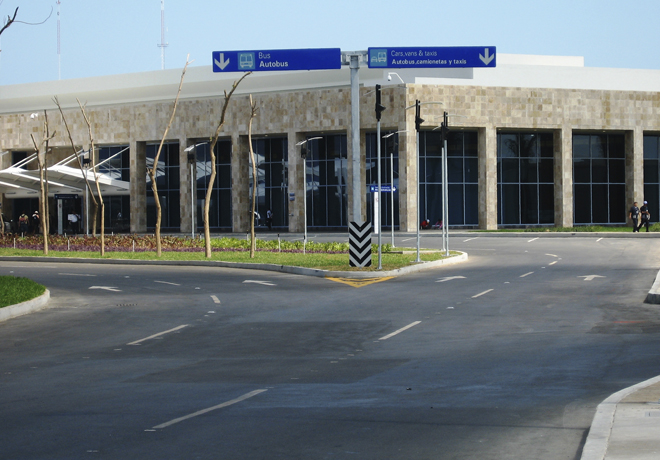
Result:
{"points": [[389, 77]]}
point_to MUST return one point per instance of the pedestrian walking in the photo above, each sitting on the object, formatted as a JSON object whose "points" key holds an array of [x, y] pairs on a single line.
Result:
{"points": [[23, 222], [35, 222], [269, 219], [646, 216], [633, 215]]}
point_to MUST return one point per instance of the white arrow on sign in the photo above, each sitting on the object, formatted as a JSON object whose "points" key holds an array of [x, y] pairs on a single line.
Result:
{"points": [[485, 59], [106, 288], [449, 278], [590, 277], [222, 63]]}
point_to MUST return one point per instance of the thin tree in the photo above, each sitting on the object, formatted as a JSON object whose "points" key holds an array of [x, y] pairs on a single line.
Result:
{"points": [[12, 19], [80, 165], [41, 150], [214, 141], [253, 114], [96, 178], [154, 168]]}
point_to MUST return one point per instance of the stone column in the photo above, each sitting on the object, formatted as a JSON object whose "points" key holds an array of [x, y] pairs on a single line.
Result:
{"points": [[185, 188], [487, 153], [563, 159], [296, 175], [634, 145], [408, 189], [138, 156], [240, 190]]}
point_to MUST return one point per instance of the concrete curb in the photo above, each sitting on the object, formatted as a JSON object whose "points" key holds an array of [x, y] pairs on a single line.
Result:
{"points": [[595, 448], [24, 308], [248, 266], [653, 296]]}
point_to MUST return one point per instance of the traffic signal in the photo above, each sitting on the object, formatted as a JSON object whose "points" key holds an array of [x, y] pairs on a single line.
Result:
{"points": [[444, 127], [303, 152], [418, 118], [379, 107], [390, 144]]}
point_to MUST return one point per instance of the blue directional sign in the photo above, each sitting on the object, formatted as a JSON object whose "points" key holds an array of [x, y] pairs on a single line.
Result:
{"points": [[265, 60], [448, 57], [383, 188]]}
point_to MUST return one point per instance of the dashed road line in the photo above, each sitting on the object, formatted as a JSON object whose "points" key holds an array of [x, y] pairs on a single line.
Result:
{"points": [[265, 283], [204, 411], [470, 239], [137, 342], [552, 263], [215, 299], [167, 282], [533, 239], [75, 274], [400, 330], [526, 274], [482, 293]]}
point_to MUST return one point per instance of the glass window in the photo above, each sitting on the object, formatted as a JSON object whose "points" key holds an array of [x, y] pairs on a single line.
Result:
{"points": [[220, 209], [167, 183], [327, 199], [272, 182], [389, 155], [652, 174], [525, 161], [117, 208]]}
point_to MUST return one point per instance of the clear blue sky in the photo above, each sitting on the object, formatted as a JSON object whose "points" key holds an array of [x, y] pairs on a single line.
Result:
{"points": [[107, 37]]}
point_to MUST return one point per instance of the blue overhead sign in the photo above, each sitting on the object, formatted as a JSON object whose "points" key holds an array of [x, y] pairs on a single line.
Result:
{"points": [[408, 58], [264, 60]]}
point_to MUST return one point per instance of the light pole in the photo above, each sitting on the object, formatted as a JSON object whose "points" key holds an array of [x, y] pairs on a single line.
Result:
{"points": [[418, 123], [387, 136], [86, 162], [192, 160], [303, 155]]}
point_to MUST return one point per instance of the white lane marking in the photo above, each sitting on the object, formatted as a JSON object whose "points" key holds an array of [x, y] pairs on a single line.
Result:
{"points": [[482, 293], [526, 274], [533, 239], [166, 282], [75, 274], [598, 240], [106, 288], [449, 278], [204, 411], [400, 330], [552, 263], [215, 299], [591, 277], [407, 239], [551, 255], [137, 342], [470, 239], [265, 283]]}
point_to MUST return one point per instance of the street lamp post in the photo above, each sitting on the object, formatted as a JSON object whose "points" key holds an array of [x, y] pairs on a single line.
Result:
{"points": [[303, 155], [192, 160], [387, 136]]}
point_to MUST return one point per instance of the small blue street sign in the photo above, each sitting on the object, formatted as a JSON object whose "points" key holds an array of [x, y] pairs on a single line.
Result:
{"points": [[265, 60], [383, 188], [449, 57]]}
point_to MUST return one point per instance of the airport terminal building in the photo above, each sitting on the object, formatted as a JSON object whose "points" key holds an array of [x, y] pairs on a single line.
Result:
{"points": [[535, 141]]}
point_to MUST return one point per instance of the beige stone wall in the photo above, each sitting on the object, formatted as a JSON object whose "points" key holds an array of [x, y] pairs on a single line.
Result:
{"points": [[295, 114]]}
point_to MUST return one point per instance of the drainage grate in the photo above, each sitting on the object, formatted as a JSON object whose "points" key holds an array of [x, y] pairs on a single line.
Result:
{"points": [[127, 305]]}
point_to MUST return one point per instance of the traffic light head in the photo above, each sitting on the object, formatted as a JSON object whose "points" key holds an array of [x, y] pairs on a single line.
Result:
{"points": [[379, 107]]}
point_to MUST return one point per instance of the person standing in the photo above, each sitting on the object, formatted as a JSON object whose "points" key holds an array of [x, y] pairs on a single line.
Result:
{"points": [[35, 222], [646, 216], [633, 215]]}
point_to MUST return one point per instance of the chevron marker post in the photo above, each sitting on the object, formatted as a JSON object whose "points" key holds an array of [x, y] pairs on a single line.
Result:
{"points": [[359, 240]]}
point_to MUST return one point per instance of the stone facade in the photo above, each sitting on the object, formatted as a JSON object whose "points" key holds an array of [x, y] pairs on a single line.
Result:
{"points": [[298, 113]]}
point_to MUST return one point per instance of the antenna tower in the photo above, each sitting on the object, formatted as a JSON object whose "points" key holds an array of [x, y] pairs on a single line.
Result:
{"points": [[59, 57], [162, 44]]}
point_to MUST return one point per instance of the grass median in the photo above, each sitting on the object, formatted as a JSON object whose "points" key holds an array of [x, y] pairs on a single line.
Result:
{"points": [[322, 256], [15, 290]]}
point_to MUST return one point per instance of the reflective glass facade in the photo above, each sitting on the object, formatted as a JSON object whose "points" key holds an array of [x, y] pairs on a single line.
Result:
{"points": [[117, 208], [462, 177], [388, 146], [525, 179], [220, 211], [167, 181], [652, 175], [271, 157], [599, 179], [326, 180]]}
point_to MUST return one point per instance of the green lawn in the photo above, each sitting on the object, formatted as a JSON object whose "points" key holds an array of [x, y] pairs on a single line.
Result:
{"points": [[15, 290], [322, 261]]}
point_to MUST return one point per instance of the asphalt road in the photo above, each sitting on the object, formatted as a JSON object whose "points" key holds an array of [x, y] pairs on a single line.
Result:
{"points": [[505, 356]]}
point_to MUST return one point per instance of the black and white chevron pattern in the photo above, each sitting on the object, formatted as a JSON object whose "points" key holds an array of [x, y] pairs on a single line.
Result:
{"points": [[359, 240]]}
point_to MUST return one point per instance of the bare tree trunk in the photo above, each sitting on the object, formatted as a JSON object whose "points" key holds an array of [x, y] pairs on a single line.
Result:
{"points": [[96, 178], [253, 113], [43, 189], [75, 152], [209, 190], [154, 168]]}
